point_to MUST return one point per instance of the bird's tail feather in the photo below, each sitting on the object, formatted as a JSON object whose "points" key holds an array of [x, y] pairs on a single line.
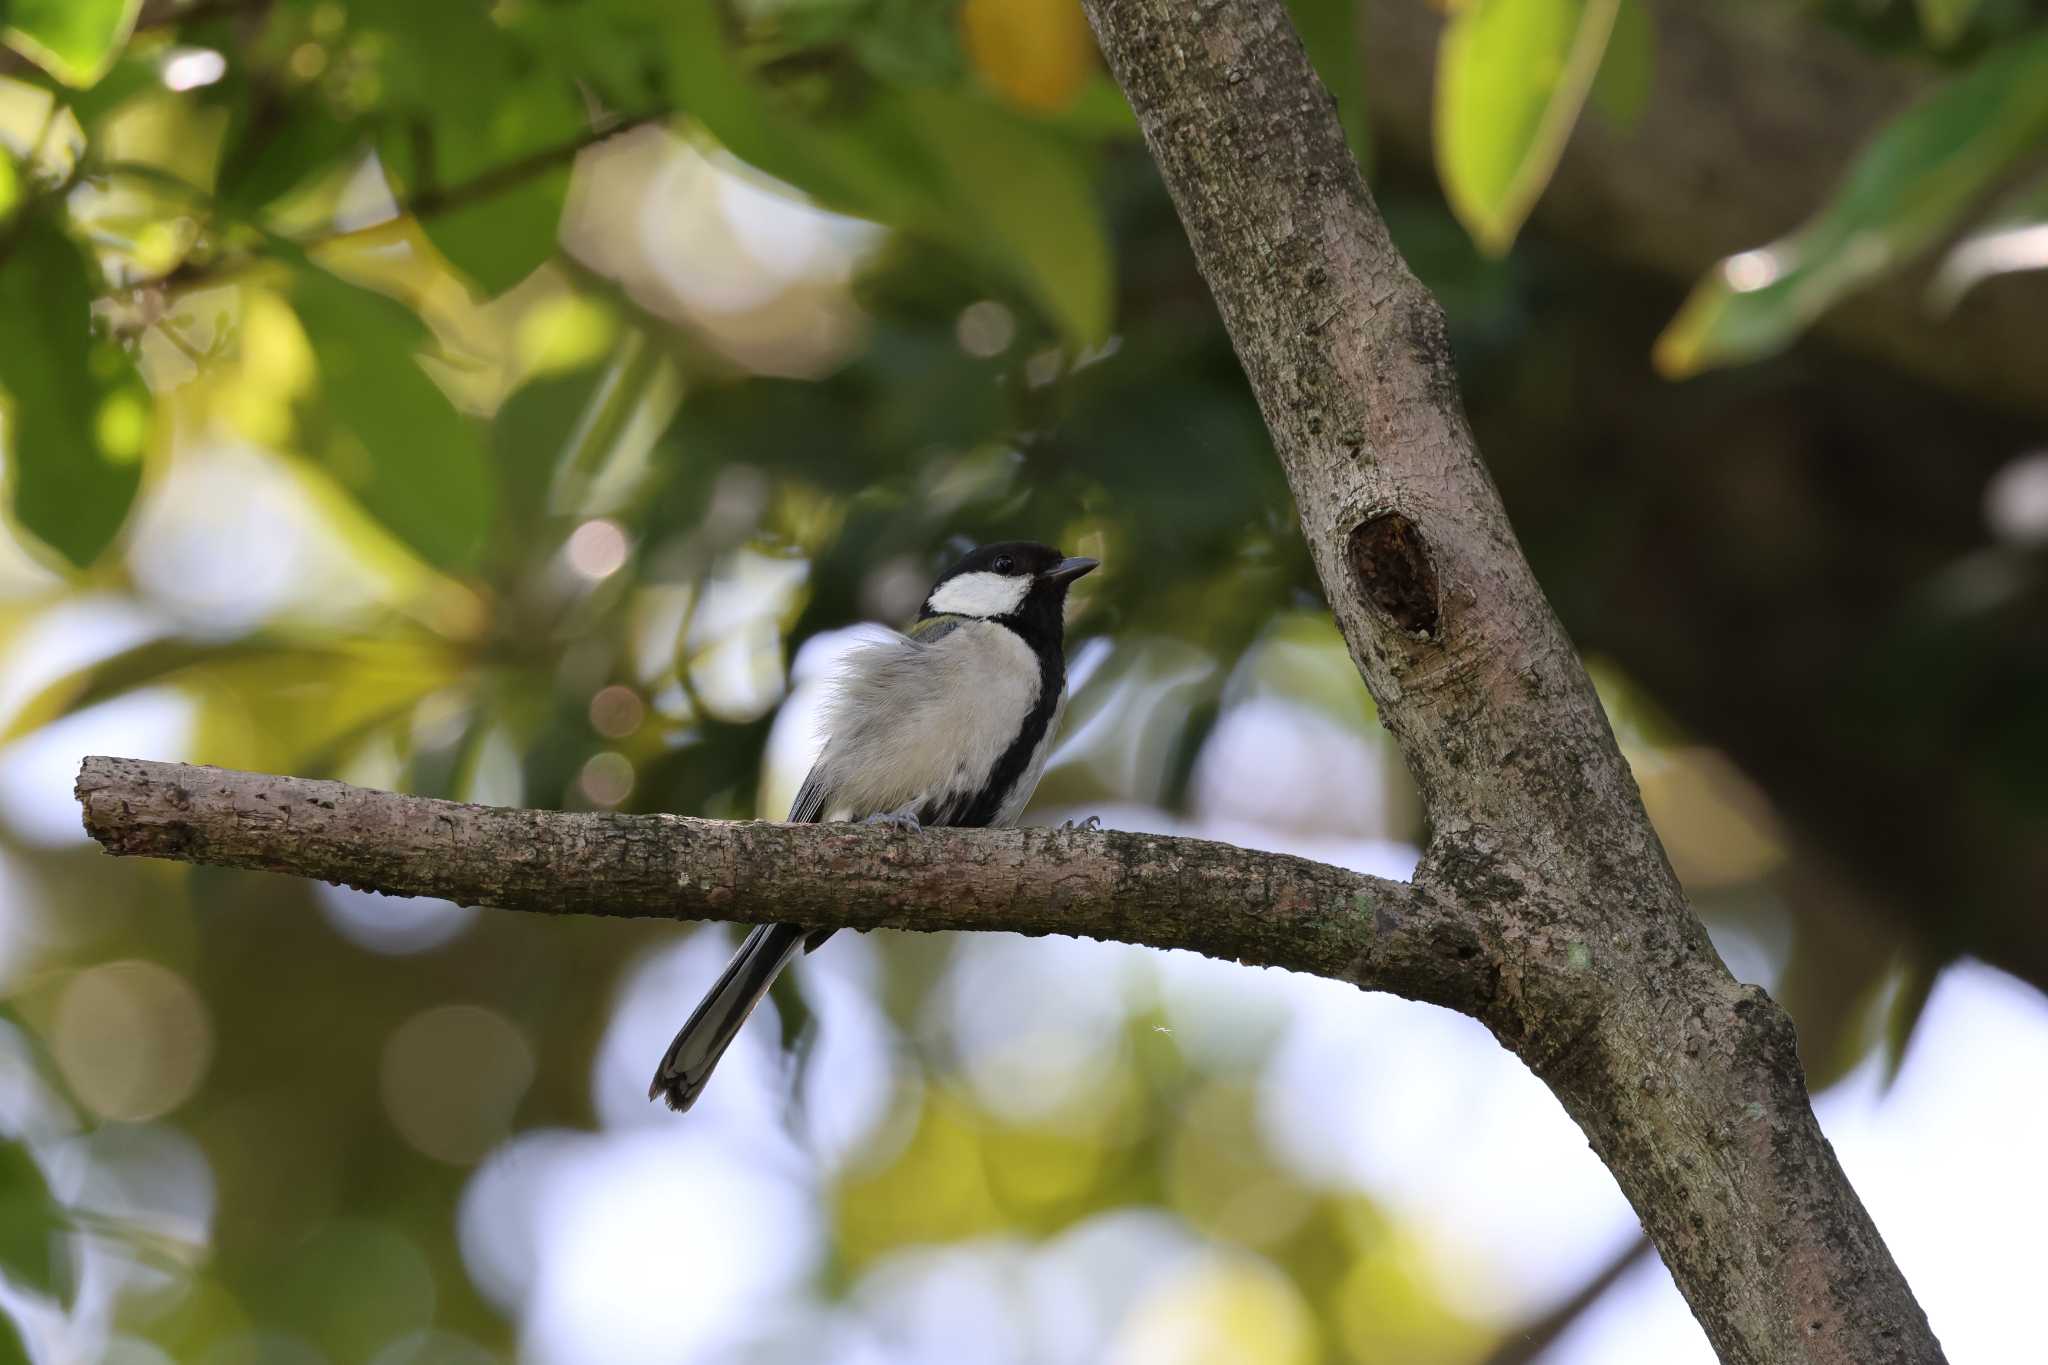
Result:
{"points": [[717, 1018]]}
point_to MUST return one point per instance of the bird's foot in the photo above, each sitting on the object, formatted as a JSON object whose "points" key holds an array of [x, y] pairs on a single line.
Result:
{"points": [[1088, 826], [903, 821]]}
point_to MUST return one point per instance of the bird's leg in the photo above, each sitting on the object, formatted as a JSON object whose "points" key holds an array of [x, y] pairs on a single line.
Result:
{"points": [[1088, 826], [904, 820]]}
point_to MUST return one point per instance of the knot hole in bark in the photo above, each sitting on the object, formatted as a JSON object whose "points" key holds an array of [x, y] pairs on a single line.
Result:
{"points": [[1395, 572]]}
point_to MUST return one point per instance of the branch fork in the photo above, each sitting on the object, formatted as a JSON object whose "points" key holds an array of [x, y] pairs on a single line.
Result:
{"points": [[1545, 905]]}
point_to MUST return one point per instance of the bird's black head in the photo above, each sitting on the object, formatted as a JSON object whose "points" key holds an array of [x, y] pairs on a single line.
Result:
{"points": [[1018, 582]]}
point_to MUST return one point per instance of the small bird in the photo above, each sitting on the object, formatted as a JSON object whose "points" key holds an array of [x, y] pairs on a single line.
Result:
{"points": [[946, 724]]}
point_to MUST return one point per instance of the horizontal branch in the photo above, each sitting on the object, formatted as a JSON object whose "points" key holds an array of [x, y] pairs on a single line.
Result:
{"points": [[1263, 909]]}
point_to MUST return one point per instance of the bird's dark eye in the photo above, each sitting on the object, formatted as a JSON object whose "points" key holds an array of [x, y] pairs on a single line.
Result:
{"points": [[1003, 564]]}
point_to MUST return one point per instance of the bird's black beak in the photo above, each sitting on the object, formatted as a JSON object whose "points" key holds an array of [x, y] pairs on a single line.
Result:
{"points": [[1067, 570]]}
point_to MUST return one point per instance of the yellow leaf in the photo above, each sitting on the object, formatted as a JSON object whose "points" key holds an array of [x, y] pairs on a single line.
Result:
{"points": [[1035, 53]]}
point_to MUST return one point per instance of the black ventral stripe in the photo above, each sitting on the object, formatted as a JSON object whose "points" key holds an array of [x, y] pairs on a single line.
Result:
{"points": [[1041, 626]]}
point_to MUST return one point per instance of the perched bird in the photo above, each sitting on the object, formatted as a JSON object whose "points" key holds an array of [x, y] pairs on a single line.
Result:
{"points": [[946, 724]]}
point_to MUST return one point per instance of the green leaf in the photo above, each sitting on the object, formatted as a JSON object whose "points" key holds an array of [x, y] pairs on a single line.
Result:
{"points": [[1009, 193], [448, 70], [502, 238], [1907, 187], [388, 433], [499, 237], [1020, 201], [1329, 30], [1944, 20], [157, 661], [2013, 237], [13, 1351], [533, 437], [269, 156], [1512, 76], [1622, 87], [78, 418], [33, 1252], [74, 40]]}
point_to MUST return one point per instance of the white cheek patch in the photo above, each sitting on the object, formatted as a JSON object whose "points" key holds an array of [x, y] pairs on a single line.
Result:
{"points": [[981, 594]]}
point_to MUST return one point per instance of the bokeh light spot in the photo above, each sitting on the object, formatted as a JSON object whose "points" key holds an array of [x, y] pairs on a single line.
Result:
{"points": [[616, 712], [2016, 500], [985, 329], [597, 548], [132, 1039], [352, 1286], [1219, 1312], [308, 60], [607, 779], [451, 1079], [190, 68], [121, 426]]}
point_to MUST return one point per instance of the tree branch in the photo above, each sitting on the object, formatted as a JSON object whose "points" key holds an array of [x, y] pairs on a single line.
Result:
{"points": [[1263, 909], [1686, 1083]]}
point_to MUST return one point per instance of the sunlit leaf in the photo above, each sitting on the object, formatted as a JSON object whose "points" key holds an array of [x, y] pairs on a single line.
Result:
{"points": [[1622, 87], [1329, 30], [1010, 194], [300, 707], [74, 40], [1512, 76], [78, 418], [388, 433], [289, 698], [1944, 20], [32, 1226], [2012, 238], [1906, 188], [131, 73]]}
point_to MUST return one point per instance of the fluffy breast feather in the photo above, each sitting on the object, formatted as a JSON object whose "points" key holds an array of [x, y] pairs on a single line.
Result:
{"points": [[923, 724]]}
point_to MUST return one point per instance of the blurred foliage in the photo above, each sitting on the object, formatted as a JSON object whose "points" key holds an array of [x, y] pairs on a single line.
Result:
{"points": [[1513, 76], [1909, 187], [74, 40], [498, 401]]}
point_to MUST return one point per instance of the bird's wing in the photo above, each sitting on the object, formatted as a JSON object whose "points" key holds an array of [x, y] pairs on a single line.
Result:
{"points": [[809, 806], [933, 629]]}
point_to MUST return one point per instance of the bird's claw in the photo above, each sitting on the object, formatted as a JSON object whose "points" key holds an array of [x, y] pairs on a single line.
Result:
{"points": [[1088, 826], [903, 821]]}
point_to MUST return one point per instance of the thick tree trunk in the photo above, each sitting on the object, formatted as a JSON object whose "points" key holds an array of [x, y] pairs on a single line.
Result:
{"points": [[1686, 1083]]}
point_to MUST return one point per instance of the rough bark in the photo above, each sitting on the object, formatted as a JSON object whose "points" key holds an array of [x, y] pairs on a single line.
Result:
{"points": [[1686, 1083], [1754, 115], [1263, 909]]}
